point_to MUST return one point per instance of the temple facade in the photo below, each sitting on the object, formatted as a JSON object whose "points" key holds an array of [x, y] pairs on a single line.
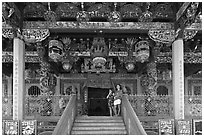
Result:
{"points": [[60, 59]]}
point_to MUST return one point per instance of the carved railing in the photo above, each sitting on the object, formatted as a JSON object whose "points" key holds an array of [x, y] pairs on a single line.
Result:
{"points": [[193, 106], [133, 125], [164, 105], [7, 107], [43, 106], [65, 123]]}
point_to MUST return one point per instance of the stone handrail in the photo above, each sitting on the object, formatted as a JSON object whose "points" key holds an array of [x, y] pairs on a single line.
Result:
{"points": [[133, 125], [65, 123]]}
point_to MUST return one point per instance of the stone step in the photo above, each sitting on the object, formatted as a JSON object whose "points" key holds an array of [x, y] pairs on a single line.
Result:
{"points": [[98, 124], [122, 132], [98, 117], [77, 128], [99, 120]]}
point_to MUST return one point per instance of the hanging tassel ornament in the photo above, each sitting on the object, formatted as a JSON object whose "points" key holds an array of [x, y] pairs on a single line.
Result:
{"points": [[82, 16], [115, 15], [146, 16], [50, 15]]}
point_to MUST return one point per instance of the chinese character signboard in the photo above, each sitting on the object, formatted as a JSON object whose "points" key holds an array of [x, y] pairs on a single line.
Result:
{"points": [[166, 127], [197, 127], [28, 127], [10, 127], [183, 127]]}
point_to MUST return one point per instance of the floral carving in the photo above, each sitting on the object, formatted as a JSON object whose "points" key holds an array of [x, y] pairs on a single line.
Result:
{"points": [[35, 35]]}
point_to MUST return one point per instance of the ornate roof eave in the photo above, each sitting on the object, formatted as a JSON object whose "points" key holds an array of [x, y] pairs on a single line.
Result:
{"points": [[32, 57]]}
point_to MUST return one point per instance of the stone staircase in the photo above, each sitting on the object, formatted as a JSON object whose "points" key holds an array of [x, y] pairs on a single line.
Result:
{"points": [[98, 125]]}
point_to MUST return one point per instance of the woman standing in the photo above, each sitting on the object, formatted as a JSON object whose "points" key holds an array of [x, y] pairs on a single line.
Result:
{"points": [[110, 98], [117, 100]]}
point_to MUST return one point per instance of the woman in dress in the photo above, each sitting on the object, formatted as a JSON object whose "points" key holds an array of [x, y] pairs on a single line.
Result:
{"points": [[110, 98], [117, 100]]}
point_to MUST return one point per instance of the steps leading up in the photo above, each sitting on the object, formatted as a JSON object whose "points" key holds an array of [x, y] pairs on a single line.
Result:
{"points": [[98, 125]]}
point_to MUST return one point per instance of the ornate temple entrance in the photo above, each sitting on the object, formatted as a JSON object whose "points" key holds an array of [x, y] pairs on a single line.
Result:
{"points": [[97, 102]]}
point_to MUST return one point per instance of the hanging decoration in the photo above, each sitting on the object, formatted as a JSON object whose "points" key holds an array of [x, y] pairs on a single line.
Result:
{"points": [[146, 16], [35, 35], [163, 11], [164, 36], [115, 15], [82, 15], [99, 10], [142, 50], [34, 10], [50, 15], [67, 10], [130, 11], [55, 50]]}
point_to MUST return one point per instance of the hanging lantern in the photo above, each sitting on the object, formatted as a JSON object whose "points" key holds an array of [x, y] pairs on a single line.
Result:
{"points": [[67, 66], [142, 50], [55, 50], [130, 66]]}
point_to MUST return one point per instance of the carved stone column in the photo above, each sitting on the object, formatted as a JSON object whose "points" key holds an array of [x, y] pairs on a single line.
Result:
{"points": [[18, 78], [178, 78]]}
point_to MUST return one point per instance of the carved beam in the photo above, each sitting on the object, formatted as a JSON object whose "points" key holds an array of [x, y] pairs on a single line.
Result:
{"points": [[97, 25], [33, 57]]}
